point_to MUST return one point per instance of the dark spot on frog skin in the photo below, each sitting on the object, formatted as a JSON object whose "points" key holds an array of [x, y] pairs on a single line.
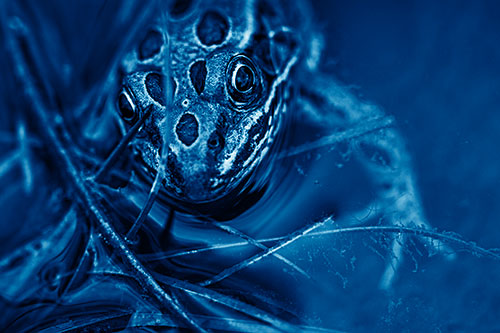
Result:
{"points": [[150, 45], [212, 28], [187, 129], [179, 8], [155, 84], [198, 74]]}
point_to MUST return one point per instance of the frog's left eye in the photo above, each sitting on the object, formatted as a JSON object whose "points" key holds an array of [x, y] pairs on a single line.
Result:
{"points": [[127, 107], [243, 81]]}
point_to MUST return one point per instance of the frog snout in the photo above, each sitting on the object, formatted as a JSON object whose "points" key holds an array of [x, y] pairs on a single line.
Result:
{"points": [[197, 144], [187, 129], [192, 180]]}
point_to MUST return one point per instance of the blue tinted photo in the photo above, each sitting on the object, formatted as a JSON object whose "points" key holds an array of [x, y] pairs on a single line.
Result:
{"points": [[249, 166]]}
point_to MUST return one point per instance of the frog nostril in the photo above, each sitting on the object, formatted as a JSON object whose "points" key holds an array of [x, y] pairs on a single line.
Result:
{"points": [[187, 129], [215, 141]]}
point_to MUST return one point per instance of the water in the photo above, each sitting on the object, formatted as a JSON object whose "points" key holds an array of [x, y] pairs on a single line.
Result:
{"points": [[281, 262]]}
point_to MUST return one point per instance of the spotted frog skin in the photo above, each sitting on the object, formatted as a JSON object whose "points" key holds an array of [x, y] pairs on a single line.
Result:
{"points": [[222, 107]]}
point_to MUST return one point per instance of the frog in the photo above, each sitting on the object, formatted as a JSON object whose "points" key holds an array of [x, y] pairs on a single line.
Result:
{"points": [[226, 81], [228, 77]]}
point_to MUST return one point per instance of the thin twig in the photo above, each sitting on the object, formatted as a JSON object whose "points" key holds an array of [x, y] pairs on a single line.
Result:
{"points": [[25, 157], [258, 244], [361, 129], [9, 162], [121, 146], [228, 301], [153, 193], [214, 296], [11, 138], [250, 261], [420, 232]]}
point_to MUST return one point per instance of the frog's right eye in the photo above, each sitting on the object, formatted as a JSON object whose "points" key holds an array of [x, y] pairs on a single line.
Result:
{"points": [[127, 107], [244, 82]]}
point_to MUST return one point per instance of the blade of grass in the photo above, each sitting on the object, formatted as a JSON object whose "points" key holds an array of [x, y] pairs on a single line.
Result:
{"points": [[108, 163], [258, 244], [360, 129], [409, 231], [86, 195], [250, 261]]}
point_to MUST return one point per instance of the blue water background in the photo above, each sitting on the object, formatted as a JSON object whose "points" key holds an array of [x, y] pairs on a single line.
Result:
{"points": [[434, 66]]}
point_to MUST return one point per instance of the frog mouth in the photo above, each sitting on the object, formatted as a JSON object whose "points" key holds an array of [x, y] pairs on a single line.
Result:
{"points": [[196, 183], [196, 190]]}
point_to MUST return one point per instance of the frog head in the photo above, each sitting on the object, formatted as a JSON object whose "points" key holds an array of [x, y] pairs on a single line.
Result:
{"points": [[215, 74]]}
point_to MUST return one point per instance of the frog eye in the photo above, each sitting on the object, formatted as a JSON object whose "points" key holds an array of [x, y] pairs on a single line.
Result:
{"points": [[128, 109], [243, 81], [243, 78]]}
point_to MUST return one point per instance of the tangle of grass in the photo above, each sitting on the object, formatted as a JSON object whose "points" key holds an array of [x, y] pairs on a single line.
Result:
{"points": [[448, 237]]}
